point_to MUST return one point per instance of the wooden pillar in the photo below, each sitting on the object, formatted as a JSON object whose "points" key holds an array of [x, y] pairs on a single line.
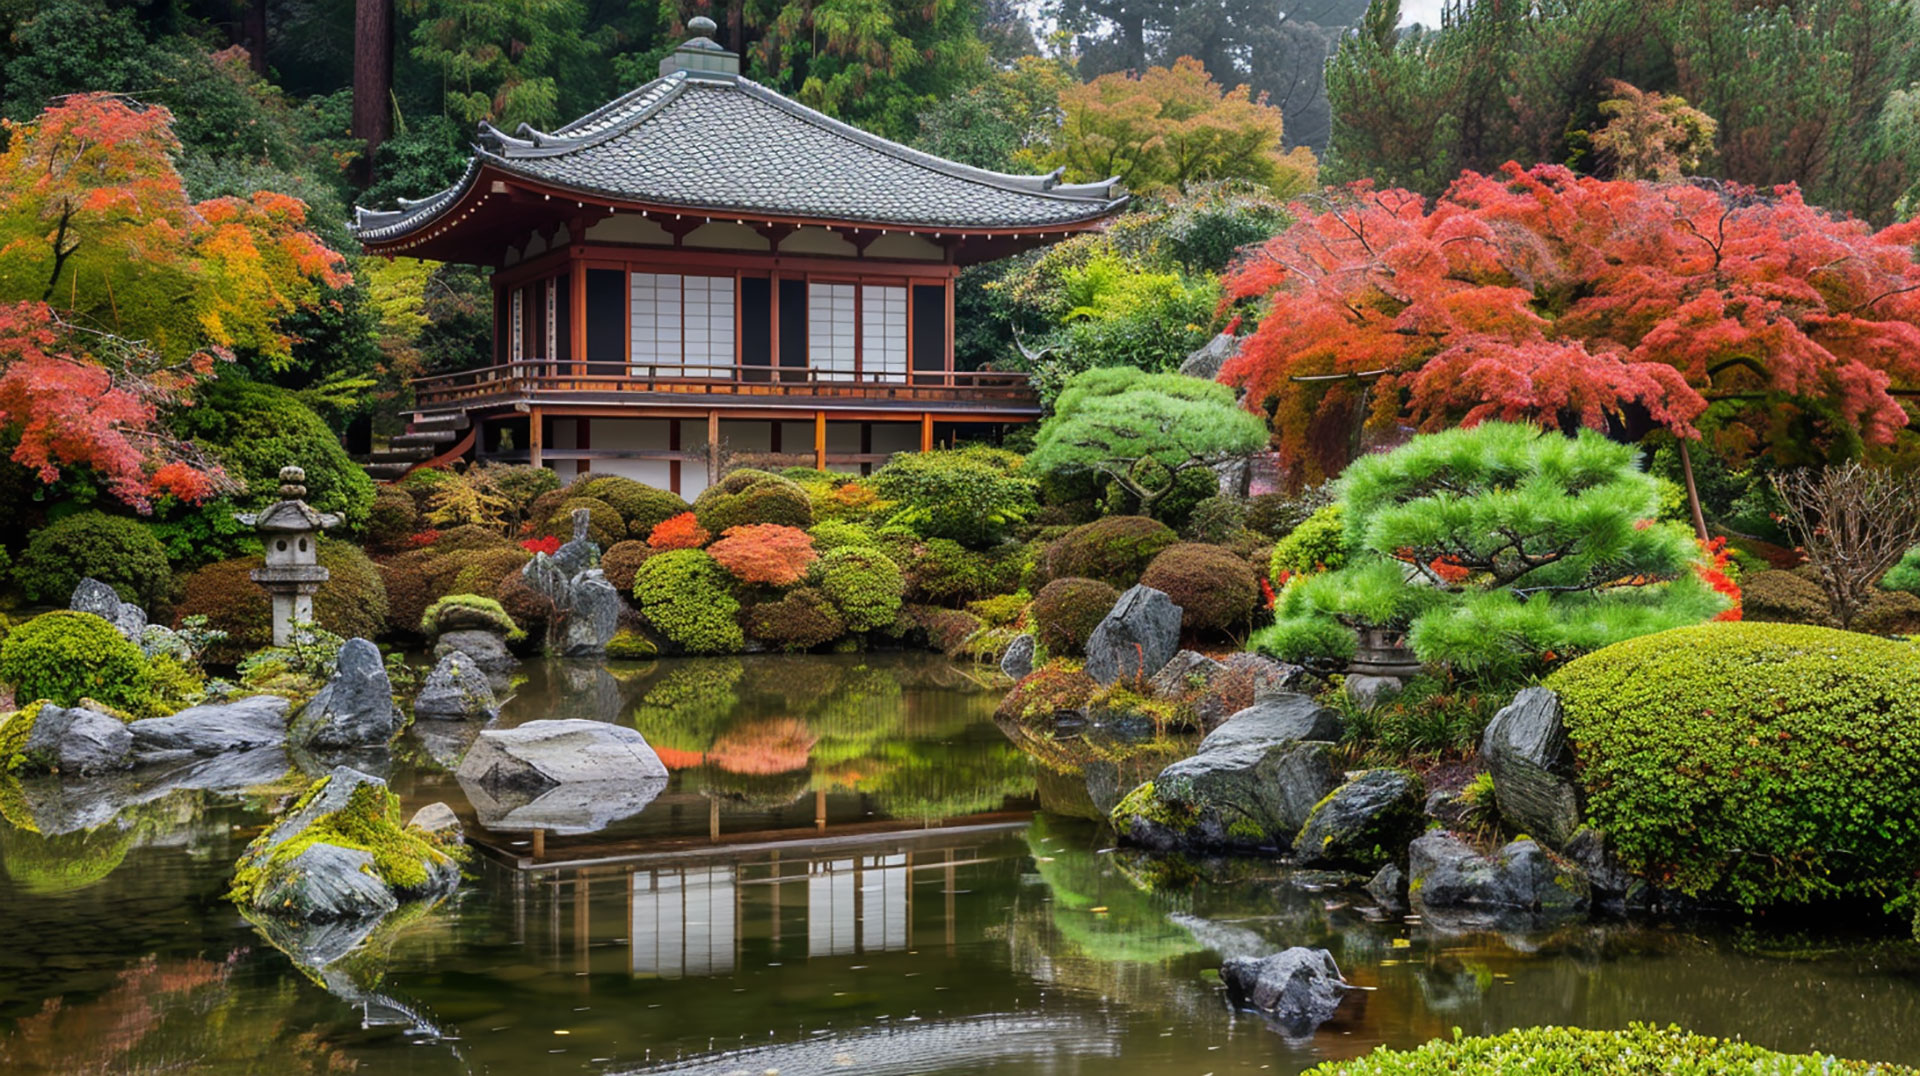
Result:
{"points": [[539, 843], [819, 440], [577, 307], [926, 432], [713, 448], [536, 436], [583, 438]]}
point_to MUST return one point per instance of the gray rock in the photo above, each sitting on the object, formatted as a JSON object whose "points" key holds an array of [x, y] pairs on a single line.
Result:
{"points": [[332, 796], [1527, 751], [1389, 888], [254, 721], [581, 553], [1363, 824], [1206, 361], [355, 708], [456, 689], [487, 649], [1445, 873], [564, 810], [436, 818], [544, 576], [1370, 691], [1137, 637], [1017, 662], [1240, 798], [539, 755], [1275, 719], [1270, 677], [592, 615], [78, 741], [326, 883], [441, 873], [1299, 987], [1612, 887], [1448, 808], [93, 596], [1185, 672]]}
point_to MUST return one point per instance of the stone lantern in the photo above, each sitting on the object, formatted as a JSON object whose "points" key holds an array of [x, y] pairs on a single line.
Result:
{"points": [[290, 529]]}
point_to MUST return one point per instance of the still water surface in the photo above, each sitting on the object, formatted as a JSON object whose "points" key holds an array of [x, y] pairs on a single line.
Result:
{"points": [[849, 872]]}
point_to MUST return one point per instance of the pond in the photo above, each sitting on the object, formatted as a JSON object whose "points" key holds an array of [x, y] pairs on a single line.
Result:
{"points": [[848, 872]]}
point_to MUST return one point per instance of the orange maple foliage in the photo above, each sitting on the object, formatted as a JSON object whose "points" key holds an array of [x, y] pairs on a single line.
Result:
{"points": [[759, 748], [1537, 294], [678, 532], [765, 553]]}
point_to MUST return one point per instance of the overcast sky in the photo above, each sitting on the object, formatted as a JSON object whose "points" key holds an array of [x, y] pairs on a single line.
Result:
{"points": [[1422, 11]]}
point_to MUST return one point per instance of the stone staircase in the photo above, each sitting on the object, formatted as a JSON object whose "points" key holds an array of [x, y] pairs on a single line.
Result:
{"points": [[428, 438]]}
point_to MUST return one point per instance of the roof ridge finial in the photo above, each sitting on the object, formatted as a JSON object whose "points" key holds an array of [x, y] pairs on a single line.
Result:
{"points": [[701, 26]]}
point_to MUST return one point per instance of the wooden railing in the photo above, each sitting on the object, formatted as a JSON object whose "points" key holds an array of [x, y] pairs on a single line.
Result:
{"points": [[533, 379]]}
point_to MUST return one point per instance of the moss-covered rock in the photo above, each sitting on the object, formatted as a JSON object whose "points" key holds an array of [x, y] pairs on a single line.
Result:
{"points": [[468, 612], [1363, 823], [1239, 798]]}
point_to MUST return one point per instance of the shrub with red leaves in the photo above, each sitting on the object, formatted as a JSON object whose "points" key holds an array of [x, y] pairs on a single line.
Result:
{"points": [[680, 532], [769, 553]]}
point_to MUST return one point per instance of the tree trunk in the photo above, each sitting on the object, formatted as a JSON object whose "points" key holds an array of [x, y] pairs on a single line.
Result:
{"points": [[253, 34], [372, 76], [1693, 491]]}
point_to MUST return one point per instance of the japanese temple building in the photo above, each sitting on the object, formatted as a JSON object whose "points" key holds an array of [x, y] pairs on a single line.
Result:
{"points": [[703, 260]]}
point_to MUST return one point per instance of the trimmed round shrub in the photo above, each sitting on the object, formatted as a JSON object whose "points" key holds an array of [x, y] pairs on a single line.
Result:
{"points": [[688, 600], [257, 429], [1784, 598], [839, 534], [622, 560], [1797, 752], [863, 584], [747, 496], [392, 519], [480, 573], [461, 612], [1114, 550], [469, 538], [801, 619], [1277, 514], [412, 579], [971, 495], [945, 630], [630, 645], [1216, 590], [528, 607], [765, 553], [520, 483], [352, 603], [1889, 612], [940, 571], [64, 657], [604, 525], [120, 552], [1066, 611], [1641, 1050], [546, 503], [1217, 520], [1317, 544], [1904, 576], [642, 506]]}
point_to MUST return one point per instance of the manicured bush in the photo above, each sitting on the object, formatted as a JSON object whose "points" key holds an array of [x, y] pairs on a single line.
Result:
{"points": [[470, 538], [970, 495], [863, 585], [1066, 611], [412, 580], [479, 573], [1217, 591], [679, 532], [747, 496], [688, 600], [352, 603], [392, 519], [1904, 575], [64, 657], [1766, 763], [1277, 514], [940, 571], [642, 506], [1315, 544], [838, 534], [1641, 1050], [604, 525], [631, 645], [1217, 519], [1001, 610], [1784, 598], [257, 429], [521, 483], [120, 552], [622, 560], [1058, 685], [945, 630], [1889, 612], [801, 619], [528, 607], [764, 553], [457, 612], [1114, 550]]}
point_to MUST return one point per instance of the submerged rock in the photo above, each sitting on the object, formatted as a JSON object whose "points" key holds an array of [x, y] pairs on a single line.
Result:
{"points": [[1137, 638], [75, 740], [1389, 888], [1299, 987], [1445, 873], [1277, 718], [355, 708], [1243, 797], [255, 721], [1017, 662], [93, 596], [1364, 823], [455, 690], [1527, 751]]}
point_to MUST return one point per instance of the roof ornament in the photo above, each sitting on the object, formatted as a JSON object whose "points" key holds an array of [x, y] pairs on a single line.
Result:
{"points": [[701, 54]]}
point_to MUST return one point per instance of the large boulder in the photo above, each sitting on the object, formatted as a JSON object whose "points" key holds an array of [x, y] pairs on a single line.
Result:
{"points": [[1446, 874], [1137, 637], [1527, 752], [1243, 797], [1269, 677], [455, 690], [1363, 823], [93, 596], [355, 708], [1275, 718], [1186, 672], [77, 741], [326, 883], [1299, 987], [1017, 662], [1613, 887], [538, 755], [592, 616], [488, 649], [1206, 360], [213, 728]]}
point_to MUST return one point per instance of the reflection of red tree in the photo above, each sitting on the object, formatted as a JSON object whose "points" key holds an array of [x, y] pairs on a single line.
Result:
{"points": [[675, 759], [96, 1036], [775, 745]]}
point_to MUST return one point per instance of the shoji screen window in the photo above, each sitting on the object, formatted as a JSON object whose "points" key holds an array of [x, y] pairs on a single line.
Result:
{"points": [[830, 329], [883, 333], [707, 302], [655, 309], [682, 324]]}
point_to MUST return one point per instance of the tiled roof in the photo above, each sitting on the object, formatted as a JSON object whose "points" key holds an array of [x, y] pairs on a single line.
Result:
{"points": [[719, 142]]}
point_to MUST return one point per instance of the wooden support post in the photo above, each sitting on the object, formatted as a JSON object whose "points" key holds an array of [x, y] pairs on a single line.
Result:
{"points": [[926, 432], [536, 436], [819, 440], [577, 310], [713, 448], [539, 843]]}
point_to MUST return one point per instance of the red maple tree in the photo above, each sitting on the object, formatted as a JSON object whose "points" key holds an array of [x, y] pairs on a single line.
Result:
{"points": [[1539, 294], [678, 532], [765, 553]]}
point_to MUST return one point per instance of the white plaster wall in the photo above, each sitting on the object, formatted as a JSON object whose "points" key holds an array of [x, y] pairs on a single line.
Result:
{"points": [[564, 433], [693, 473], [633, 434], [896, 437]]}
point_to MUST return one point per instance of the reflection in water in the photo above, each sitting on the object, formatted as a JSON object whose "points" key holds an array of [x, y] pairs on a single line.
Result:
{"points": [[812, 918]]}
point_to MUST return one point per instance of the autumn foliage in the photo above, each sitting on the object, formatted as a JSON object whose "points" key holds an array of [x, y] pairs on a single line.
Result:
{"points": [[678, 532], [1540, 295], [765, 553]]}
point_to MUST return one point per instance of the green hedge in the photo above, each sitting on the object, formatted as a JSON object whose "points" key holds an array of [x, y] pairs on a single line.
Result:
{"points": [[1766, 763], [971, 495], [748, 496], [863, 585], [689, 600], [65, 657], [120, 552], [1217, 590], [1641, 1050]]}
